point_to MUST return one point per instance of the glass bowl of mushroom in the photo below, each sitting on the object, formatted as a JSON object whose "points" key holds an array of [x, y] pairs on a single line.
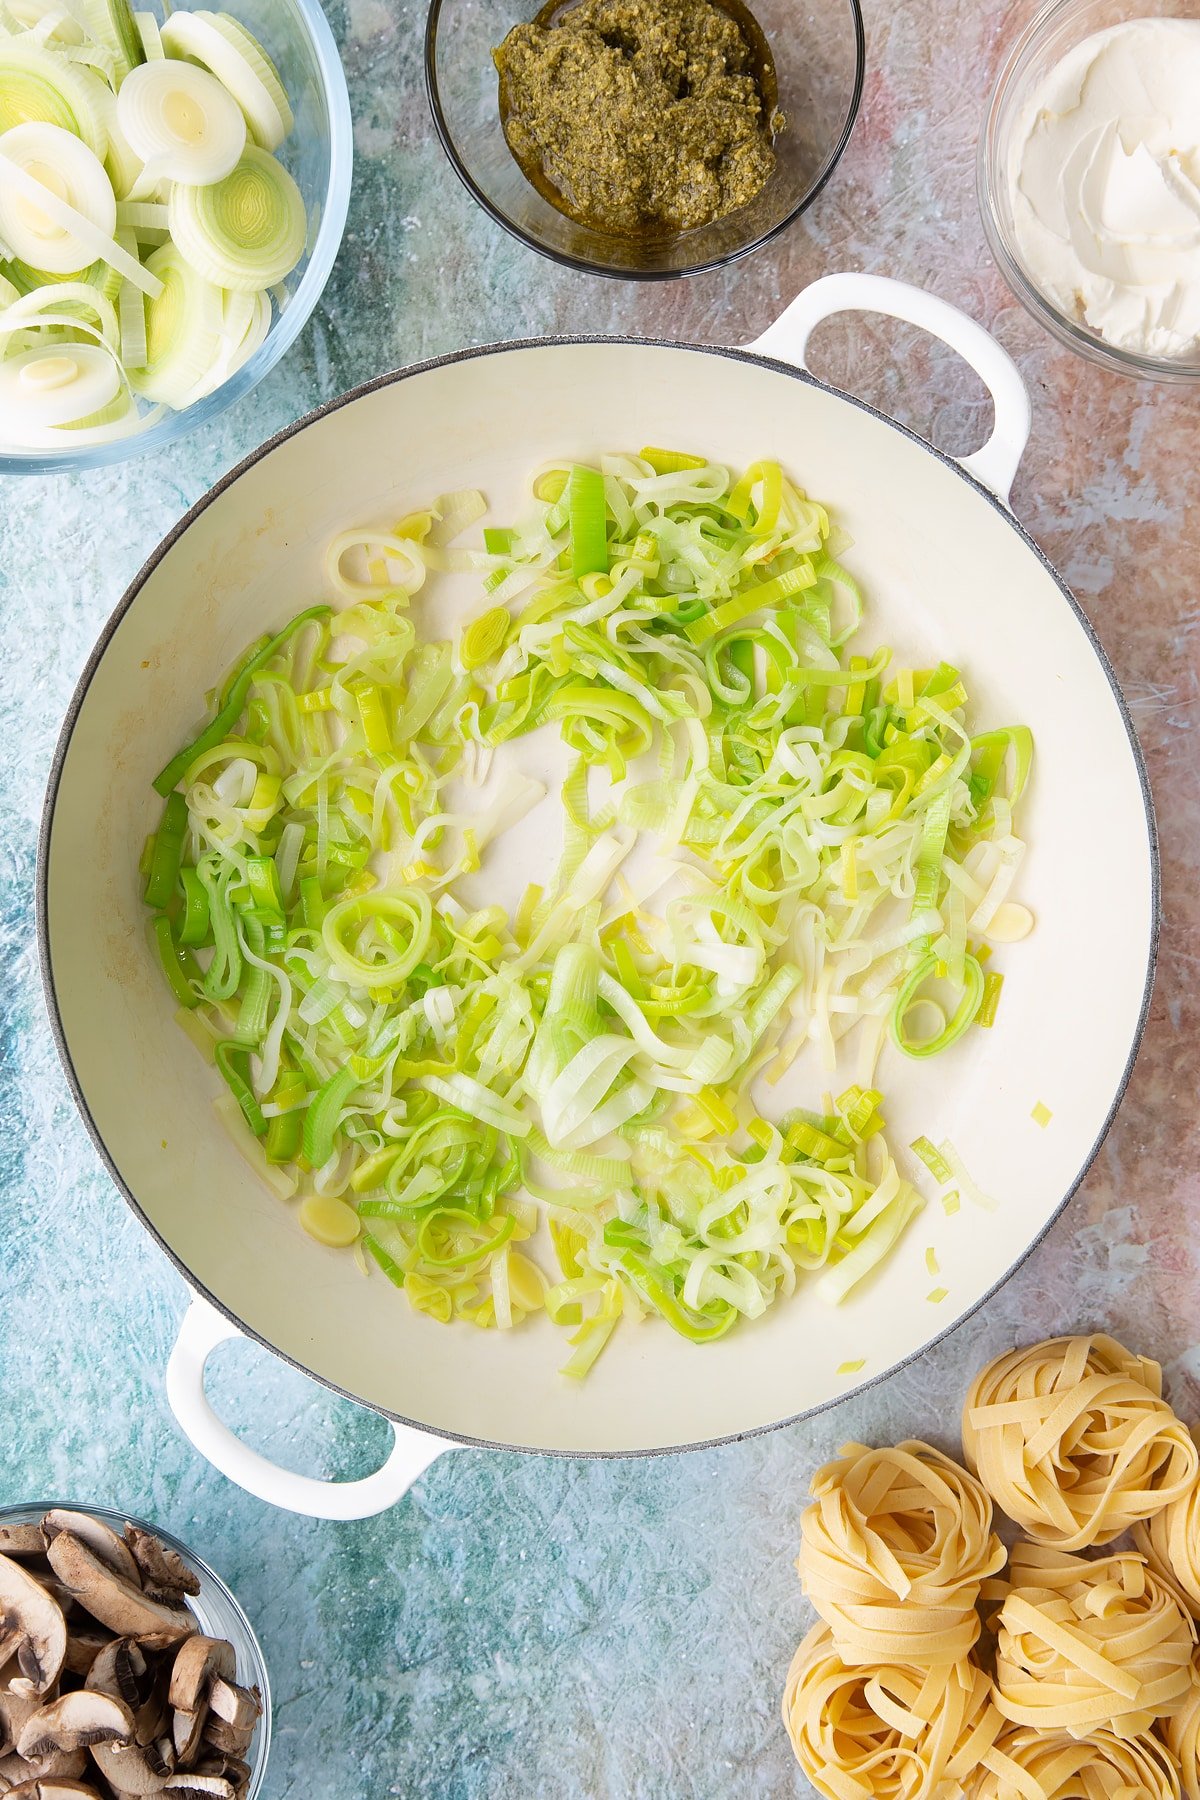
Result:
{"points": [[126, 1665]]}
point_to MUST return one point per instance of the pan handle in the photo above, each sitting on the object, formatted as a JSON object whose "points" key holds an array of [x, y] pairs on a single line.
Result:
{"points": [[995, 464], [203, 1328]]}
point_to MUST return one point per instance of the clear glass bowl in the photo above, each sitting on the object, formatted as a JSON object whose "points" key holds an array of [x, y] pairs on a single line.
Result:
{"points": [[819, 53], [1043, 43], [319, 153], [217, 1612]]}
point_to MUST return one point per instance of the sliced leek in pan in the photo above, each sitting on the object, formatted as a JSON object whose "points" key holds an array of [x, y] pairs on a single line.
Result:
{"points": [[145, 223]]}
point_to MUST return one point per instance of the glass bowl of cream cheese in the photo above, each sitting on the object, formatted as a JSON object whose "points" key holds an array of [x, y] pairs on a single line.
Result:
{"points": [[1089, 180]]}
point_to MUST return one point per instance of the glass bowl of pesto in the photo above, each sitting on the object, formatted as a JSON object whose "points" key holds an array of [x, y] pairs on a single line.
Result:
{"points": [[633, 144]]}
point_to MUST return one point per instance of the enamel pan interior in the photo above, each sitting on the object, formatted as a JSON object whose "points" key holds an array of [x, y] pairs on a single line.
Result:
{"points": [[947, 574]]}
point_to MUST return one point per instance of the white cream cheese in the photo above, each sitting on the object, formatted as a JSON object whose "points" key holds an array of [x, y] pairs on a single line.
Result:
{"points": [[1104, 184]]}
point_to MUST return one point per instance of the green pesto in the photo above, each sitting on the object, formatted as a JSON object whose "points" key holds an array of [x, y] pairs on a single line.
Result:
{"points": [[641, 117]]}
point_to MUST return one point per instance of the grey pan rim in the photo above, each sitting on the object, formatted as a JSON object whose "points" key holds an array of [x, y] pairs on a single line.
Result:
{"points": [[589, 266], [62, 748]]}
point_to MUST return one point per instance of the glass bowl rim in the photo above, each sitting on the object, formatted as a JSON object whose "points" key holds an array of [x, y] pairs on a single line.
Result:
{"points": [[286, 327], [1068, 331], [589, 265], [109, 1515]]}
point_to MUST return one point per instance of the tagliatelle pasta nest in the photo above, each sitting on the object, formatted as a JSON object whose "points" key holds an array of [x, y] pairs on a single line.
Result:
{"points": [[1170, 1542], [1025, 1764], [1074, 1441], [885, 1732], [1083, 1644], [1181, 1734], [893, 1553], [1086, 1684]]}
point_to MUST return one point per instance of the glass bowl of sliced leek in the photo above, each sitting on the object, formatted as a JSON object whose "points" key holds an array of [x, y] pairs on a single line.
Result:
{"points": [[173, 191]]}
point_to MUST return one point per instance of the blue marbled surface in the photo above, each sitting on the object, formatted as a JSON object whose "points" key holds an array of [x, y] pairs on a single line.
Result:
{"points": [[523, 1628]]}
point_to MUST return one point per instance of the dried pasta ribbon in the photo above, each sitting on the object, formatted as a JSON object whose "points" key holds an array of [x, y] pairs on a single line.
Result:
{"points": [[1083, 1644], [886, 1732], [1025, 1764], [893, 1552], [1181, 1733], [1073, 1440], [1170, 1542]]}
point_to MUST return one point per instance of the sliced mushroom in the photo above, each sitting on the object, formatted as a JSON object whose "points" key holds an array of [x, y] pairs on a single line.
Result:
{"points": [[74, 1722], [198, 1663], [187, 1730], [130, 1668], [237, 1706], [66, 1765], [45, 1577], [133, 1768], [160, 1643], [52, 1787], [36, 1617], [22, 1540], [231, 1740], [164, 1575], [84, 1644], [231, 1767], [14, 1710], [116, 1602], [100, 1539], [100, 1654]]}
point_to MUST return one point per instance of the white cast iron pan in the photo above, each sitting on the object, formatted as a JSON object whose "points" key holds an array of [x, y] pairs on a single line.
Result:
{"points": [[947, 572]]}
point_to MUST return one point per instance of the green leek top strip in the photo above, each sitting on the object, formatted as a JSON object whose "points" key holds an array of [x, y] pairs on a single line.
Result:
{"points": [[834, 841]]}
